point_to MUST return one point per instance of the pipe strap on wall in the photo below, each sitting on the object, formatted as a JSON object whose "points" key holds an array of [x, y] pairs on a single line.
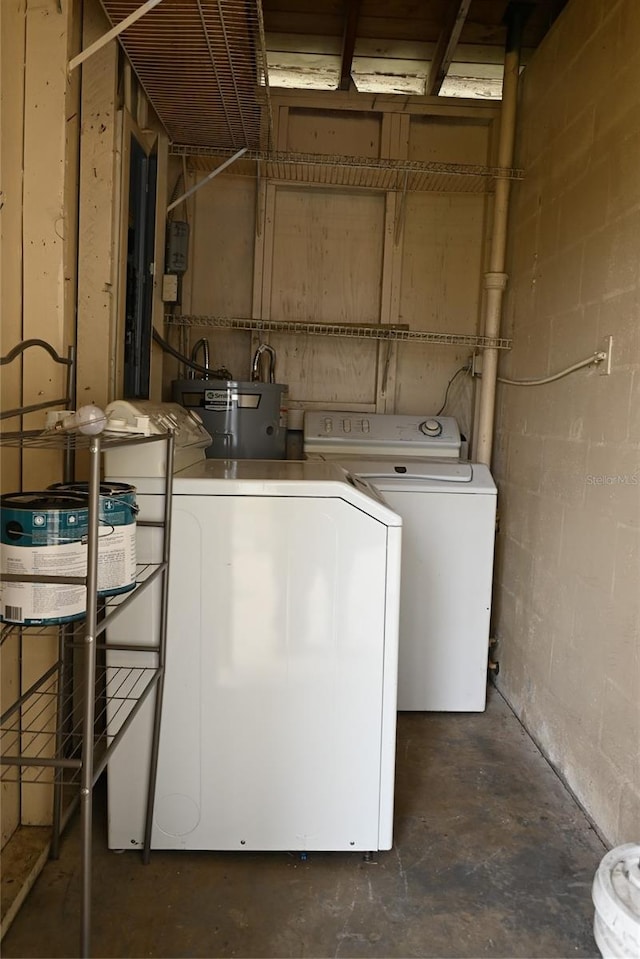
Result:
{"points": [[496, 281]]}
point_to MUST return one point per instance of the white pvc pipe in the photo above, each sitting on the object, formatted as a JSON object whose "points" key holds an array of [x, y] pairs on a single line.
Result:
{"points": [[496, 278]]}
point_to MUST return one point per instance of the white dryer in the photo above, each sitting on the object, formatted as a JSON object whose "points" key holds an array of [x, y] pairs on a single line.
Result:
{"points": [[279, 710], [448, 509]]}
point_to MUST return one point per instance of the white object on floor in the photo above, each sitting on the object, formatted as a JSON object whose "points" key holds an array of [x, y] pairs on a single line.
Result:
{"points": [[616, 896]]}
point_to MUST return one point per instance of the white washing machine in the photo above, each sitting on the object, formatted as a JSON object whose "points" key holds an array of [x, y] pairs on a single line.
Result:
{"points": [[448, 509], [279, 710], [335, 435]]}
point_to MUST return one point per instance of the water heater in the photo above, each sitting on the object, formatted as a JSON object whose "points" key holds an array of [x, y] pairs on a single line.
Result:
{"points": [[245, 420]]}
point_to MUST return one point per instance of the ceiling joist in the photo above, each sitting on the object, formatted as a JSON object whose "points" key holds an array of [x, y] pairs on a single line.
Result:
{"points": [[447, 43], [349, 42]]}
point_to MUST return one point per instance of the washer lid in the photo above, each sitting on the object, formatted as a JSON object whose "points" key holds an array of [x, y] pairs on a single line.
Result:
{"points": [[406, 475], [409, 469], [289, 478]]}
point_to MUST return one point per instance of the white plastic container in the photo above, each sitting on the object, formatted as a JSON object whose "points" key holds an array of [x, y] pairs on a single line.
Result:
{"points": [[616, 896]]}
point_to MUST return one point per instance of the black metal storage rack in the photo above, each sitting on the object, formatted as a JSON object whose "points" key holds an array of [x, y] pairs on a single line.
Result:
{"points": [[56, 731]]}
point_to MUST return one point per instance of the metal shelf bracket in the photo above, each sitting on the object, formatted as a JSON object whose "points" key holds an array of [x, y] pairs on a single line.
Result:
{"points": [[207, 179]]}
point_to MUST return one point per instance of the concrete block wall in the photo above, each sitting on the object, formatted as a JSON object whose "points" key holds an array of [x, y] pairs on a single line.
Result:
{"points": [[567, 456]]}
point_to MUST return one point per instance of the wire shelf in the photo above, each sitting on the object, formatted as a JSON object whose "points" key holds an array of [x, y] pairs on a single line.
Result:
{"points": [[75, 631], [203, 66], [396, 334], [350, 171], [59, 440], [32, 750]]}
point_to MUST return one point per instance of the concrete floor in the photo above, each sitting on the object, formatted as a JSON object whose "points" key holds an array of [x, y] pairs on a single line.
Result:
{"points": [[492, 857]]}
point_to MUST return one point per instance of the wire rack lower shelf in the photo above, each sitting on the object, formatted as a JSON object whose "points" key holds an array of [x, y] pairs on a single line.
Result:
{"points": [[34, 750], [111, 606]]}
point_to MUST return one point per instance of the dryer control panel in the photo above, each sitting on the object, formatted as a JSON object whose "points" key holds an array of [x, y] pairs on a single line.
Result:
{"points": [[380, 434]]}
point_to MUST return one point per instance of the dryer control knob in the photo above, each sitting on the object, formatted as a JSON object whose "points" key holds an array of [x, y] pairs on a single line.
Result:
{"points": [[431, 427]]}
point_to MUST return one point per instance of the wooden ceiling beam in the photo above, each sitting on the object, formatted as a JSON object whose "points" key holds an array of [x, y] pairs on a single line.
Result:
{"points": [[348, 42], [445, 49]]}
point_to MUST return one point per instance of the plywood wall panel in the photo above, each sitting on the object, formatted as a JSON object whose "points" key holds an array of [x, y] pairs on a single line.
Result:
{"points": [[387, 353], [440, 291], [320, 372], [334, 132], [441, 263], [327, 256], [222, 247], [12, 27], [109, 120], [222, 265], [48, 39], [12, 39], [447, 140], [327, 261], [44, 214]]}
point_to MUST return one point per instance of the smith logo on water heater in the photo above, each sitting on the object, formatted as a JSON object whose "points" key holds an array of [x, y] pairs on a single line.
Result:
{"points": [[230, 399]]}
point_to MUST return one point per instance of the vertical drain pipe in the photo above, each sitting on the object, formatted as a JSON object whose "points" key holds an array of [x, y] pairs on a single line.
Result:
{"points": [[495, 280]]}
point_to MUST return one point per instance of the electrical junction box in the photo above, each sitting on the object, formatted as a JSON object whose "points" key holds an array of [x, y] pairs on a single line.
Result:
{"points": [[177, 258], [170, 288], [475, 361]]}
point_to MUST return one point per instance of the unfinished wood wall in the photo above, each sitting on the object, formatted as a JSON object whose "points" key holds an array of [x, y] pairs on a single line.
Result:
{"points": [[326, 263], [51, 249], [220, 274], [114, 109], [321, 253], [12, 26], [38, 135]]}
